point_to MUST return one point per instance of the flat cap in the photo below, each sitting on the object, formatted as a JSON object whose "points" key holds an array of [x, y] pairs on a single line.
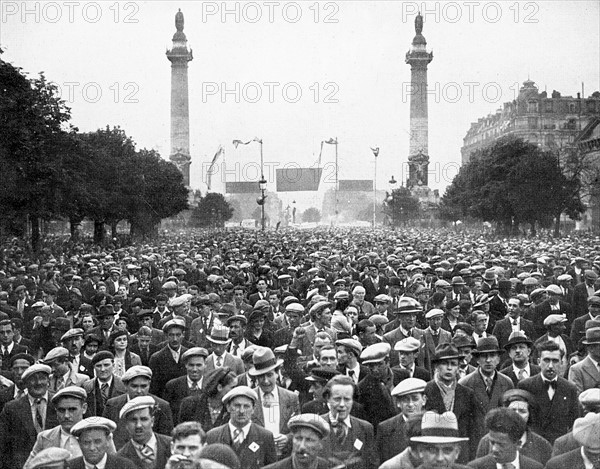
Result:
{"points": [[56, 352], [75, 332], [173, 323], [586, 431], [409, 386], [383, 298], [37, 368], [137, 403], [564, 278], [92, 423], [555, 319], [375, 353], [408, 344], [313, 421], [554, 289], [238, 391], [295, 307], [351, 344], [236, 317], [169, 286], [441, 284], [378, 319], [342, 294], [194, 352], [178, 301], [319, 306], [434, 313], [135, 372], [590, 397], [70, 391], [591, 275], [593, 300], [49, 458]]}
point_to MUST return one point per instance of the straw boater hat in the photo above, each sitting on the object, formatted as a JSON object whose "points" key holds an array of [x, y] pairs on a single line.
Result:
{"points": [[439, 429], [219, 335], [264, 361]]}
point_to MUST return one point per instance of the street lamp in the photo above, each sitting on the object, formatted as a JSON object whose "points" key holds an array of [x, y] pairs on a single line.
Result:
{"points": [[262, 184], [294, 212]]}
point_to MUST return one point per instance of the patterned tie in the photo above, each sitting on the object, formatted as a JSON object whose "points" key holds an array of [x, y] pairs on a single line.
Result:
{"points": [[521, 375], [148, 454], [508, 466], [488, 385], [20, 393], [269, 398], [194, 389], [39, 419], [351, 373], [104, 393], [219, 362], [60, 383], [235, 349], [238, 438], [340, 432]]}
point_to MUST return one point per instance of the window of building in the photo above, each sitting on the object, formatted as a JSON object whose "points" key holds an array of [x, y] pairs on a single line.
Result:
{"points": [[591, 105], [532, 122], [572, 108], [532, 106]]}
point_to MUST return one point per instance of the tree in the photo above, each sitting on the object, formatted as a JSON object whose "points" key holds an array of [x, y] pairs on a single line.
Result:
{"points": [[311, 215], [212, 211], [512, 182], [402, 206]]}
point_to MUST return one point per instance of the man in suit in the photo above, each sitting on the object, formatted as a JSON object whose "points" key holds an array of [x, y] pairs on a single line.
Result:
{"points": [[73, 341], [167, 363], [93, 434], [219, 358], [204, 323], [553, 305], [144, 346], [408, 350], [486, 383], [505, 428], [513, 322], [499, 303], [407, 316], [104, 386], [145, 448], [582, 292], [587, 455], [275, 405], [433, 335], [351, 440], [106, 316], [556, 397], [464, 405], [8, 347], [586, 373], [194, 360], [18, 426], [308, 431], [374, 283], [519, 350], [261, 292], [391, 434], [289, 321], [409, 458], [145, 318], [252, 444], [63, 371], [320, 316], [556, 326], [348, 351], [578, 326], [137, 382]]}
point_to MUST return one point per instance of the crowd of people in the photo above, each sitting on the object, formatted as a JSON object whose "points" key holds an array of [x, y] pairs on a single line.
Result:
{"points": [[318, 349]]}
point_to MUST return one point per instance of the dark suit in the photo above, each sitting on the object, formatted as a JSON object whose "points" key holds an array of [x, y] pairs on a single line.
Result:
{"points": [[358, 450], [257, 436], [501, 384], [543, 310], [195, 408], [536, 447], [17, 431], [544, 338], [430, 343], [230, 361], [288, 464], [176, 391], [554, 417], [113, 461], [163, 419], [578, 329], [252, 299], [371, 291], [163, 452], [503, 330], [391, 437], [468, 411], [564, 444], [400, 374], [508, 371], [164, 369], [498, 310], [376, 399], [94, 395], [487, 462], [15, 350], [572, 460], [580, 297], [143, 354]]}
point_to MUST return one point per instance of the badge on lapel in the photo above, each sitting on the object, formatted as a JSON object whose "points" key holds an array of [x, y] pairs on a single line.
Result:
{"points": [[254, 447], [358, 444]]}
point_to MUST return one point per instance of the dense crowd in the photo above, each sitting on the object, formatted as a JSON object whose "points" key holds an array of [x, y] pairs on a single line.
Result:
{"points": [[302, 349]]}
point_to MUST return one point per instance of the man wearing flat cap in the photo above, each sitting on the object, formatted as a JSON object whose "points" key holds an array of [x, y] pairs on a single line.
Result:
{"points": [[137, 383], [177, 389], [554, 304], [63, 371], [73, 341], [23, 419], [167, 363], [252, 444], [587, 455], [578, 326], [70, 405], [104, 386], [145, 448], [514, 321], [308, 431], [49, 458], [18, 364], [348, 353], [93, 434], [586, 373], [408, 350], [555, 325]]}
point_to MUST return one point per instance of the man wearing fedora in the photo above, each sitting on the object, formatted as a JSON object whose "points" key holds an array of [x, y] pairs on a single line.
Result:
{"points": [[440, 443], [274, 405], [408, 308], [587, 455], [445, 394], [433, 335], [106, 316], [586, 373], [505, 428], [513, 322], [167, 363], [499, 303], [578, 327], [487, 384], [459, 290], [318, 378], [219, 341], [518, 348], [465, 344], [252, 444]]}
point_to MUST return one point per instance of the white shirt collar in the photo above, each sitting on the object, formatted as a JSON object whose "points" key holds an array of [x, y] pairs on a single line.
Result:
{"points": [[152, 443], [347, 420], [527, 370], [245, 430], [275, 393], [191, 383], [586, 462]]}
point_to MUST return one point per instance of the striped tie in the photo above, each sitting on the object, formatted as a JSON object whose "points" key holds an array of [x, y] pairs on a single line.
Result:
{"points": [[148, 454]]}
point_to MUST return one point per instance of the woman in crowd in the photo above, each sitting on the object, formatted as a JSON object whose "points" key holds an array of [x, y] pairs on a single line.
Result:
{"points": [[124, 359]]}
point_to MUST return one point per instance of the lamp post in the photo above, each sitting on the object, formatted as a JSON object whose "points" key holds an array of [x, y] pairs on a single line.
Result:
{"points": [[262, 184], [392, 182], [294, 212]]}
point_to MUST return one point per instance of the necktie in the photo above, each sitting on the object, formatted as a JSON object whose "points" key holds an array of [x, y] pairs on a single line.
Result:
{"points": [[39, 419], [219, 362], [238, 438], [268, 401], [20, 393], [515, 323], [60, 383], [104, 393], [235, 349], [488, 385], [521, 375], [148, 454], [351, 373], [551, 388], [194, 389], [340, 432]]}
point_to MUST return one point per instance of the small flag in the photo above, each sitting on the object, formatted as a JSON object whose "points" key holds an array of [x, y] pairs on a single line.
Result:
{"points": [[209, 173], [375, 151], [239, 142], [331, 141]]}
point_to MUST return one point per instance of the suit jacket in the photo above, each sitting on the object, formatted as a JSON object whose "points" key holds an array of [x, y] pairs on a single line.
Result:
{"points": [[469, 414], [564, 444], [400, 374], [580, 297], [163, 452], [235, 363], [584, 375], [400, 461], [397, 335], [578, 329], [487, 462], [94, 396], [306, 342], [503, 329], [536, 447], [358, 450], [572, 460], [254, 297], [376, 399], [113, 461], [554, 417], [371, 291], [195, 408], [15, 350], [176, 391], [498, 310], [163, 418], [391, 437], [543, 310], [17, 431], [144, 356], [429, 344], [164, 369], [157, 337], [508, 371], [199, 332], [287, 464], [544, 338], [501, 384], [288, 406], [74, 379], [257, 450]]}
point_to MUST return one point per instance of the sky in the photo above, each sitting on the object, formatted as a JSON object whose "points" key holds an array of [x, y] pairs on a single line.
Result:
{"points": [[296, 73]]}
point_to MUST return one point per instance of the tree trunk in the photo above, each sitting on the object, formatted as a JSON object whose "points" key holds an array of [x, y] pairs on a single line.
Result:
{"points": [[35, 233], [98, 232], [74, 225]]}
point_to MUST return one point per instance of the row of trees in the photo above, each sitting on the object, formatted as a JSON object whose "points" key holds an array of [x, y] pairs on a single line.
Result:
{"points": [[51, 171], [512, 183]]}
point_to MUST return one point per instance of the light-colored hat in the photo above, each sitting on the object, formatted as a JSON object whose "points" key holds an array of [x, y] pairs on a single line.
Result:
{"points": [[263, 361], [137, 403], [351, 344], [295, 307], [70, 391], [194, 352], [76, 332], [135, 372], [49, 458], [219, 335], [342, 294], [313, 421], [586, 431], [179, 301], [319, 306], [564, 278], [33, 369], [383, 298], [91, 423], [244, 391], [592, 336], [173, 323], [55, 353], [433, 313], [169, 286], [409, 386], [554, 289], [439, 429], [408, 344], [554, 319], [375, 353], [590, 397]]}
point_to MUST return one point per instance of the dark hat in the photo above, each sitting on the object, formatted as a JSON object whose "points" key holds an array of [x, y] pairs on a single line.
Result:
{"points": [[517, 395], [102, 355], [394, 282], [446, 351], [145, 312], [92, 338], [116, 334], [222, 454], [487, 345], [263, 361], [517, 337], [321, 375], [22, 356], [106, 310]]}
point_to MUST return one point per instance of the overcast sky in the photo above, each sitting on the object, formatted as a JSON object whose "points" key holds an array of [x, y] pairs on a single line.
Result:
{"points": [[346, 58]]}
